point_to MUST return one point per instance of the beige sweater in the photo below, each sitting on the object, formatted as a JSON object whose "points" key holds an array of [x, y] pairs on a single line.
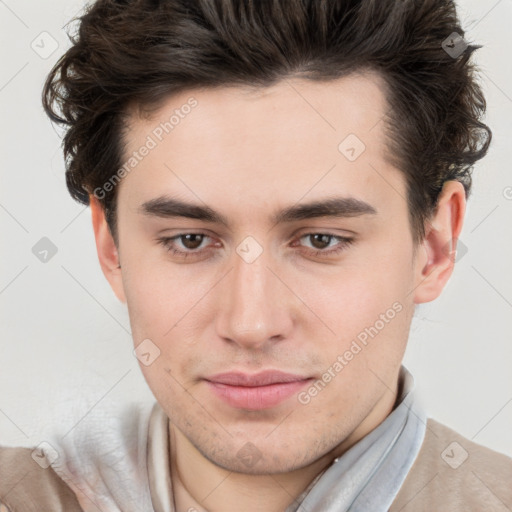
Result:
{"points": [[450, 474]]}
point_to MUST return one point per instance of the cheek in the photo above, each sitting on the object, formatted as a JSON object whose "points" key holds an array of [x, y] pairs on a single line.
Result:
{"points": [[352, 298], [159, 297], [163, 308], [368, 309]]}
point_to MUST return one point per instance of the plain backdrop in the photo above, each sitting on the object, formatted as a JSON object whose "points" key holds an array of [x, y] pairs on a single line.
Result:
{"points": [[65, 342]]}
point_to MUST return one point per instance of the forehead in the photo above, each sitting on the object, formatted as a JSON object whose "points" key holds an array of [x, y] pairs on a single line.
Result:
{"points": [[247, 145], [356, 101]]}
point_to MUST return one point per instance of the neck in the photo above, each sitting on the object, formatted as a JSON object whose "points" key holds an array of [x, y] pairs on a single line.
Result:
{"points": [[201, 486]]}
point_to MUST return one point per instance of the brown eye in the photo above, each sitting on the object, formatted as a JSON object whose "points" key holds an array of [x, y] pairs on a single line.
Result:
{"points": [[186, 245], [324, 244], [191, 241], [320, 241]]}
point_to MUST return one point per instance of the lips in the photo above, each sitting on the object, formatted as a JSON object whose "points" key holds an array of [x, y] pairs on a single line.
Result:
{"points": [[257, 391]]}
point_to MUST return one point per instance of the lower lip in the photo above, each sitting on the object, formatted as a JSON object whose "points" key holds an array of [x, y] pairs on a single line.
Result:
{"points": [[257, 397]]}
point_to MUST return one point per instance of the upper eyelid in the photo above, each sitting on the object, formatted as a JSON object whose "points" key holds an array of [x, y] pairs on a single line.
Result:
{"points": [[299, 232], [202, 233]]}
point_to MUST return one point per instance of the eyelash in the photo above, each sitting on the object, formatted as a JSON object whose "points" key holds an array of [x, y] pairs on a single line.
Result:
{"points": [[344, 243]]}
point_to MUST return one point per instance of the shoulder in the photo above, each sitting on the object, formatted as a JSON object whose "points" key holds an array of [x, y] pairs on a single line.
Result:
{"points": [[453, 473], [26, 485], [103, 461]]}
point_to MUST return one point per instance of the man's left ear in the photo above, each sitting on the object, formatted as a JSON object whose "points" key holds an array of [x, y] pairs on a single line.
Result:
{"points": [[436, 256]]}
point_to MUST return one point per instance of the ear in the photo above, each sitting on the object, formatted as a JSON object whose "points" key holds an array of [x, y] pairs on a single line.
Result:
{"points": [[107, 251], [436, 255]]}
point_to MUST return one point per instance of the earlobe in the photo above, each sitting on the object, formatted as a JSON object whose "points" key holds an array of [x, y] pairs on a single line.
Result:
{"points": [[108, 255], [435, 263]]}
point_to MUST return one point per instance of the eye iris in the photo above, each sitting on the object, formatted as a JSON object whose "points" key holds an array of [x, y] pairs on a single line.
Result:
{"points": [[192, 240], [324, 240]]}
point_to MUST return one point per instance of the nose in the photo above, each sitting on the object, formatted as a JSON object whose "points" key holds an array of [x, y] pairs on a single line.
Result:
{"points": [[255, 308]]}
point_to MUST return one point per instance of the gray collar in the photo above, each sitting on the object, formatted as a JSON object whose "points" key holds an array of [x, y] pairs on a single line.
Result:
{"points": [[369, 475]]}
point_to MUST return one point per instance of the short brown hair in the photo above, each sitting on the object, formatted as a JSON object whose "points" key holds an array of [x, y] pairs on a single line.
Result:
{"points": [[142, 51]]}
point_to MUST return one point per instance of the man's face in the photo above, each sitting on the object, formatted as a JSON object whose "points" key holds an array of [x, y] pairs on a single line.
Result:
{"points": [[327, 300]]}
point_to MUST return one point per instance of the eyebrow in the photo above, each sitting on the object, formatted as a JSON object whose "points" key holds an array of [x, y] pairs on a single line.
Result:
{"points": [[335, 207]]}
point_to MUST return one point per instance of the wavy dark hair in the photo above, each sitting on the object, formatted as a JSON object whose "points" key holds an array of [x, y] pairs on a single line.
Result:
{"points": [[139, 52]]}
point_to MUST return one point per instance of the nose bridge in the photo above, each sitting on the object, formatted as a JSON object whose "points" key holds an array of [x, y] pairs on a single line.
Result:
{"points": [[254, 310]]}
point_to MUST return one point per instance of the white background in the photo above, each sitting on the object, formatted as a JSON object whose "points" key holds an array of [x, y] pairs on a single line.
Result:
{"points": [[65, 343]]}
